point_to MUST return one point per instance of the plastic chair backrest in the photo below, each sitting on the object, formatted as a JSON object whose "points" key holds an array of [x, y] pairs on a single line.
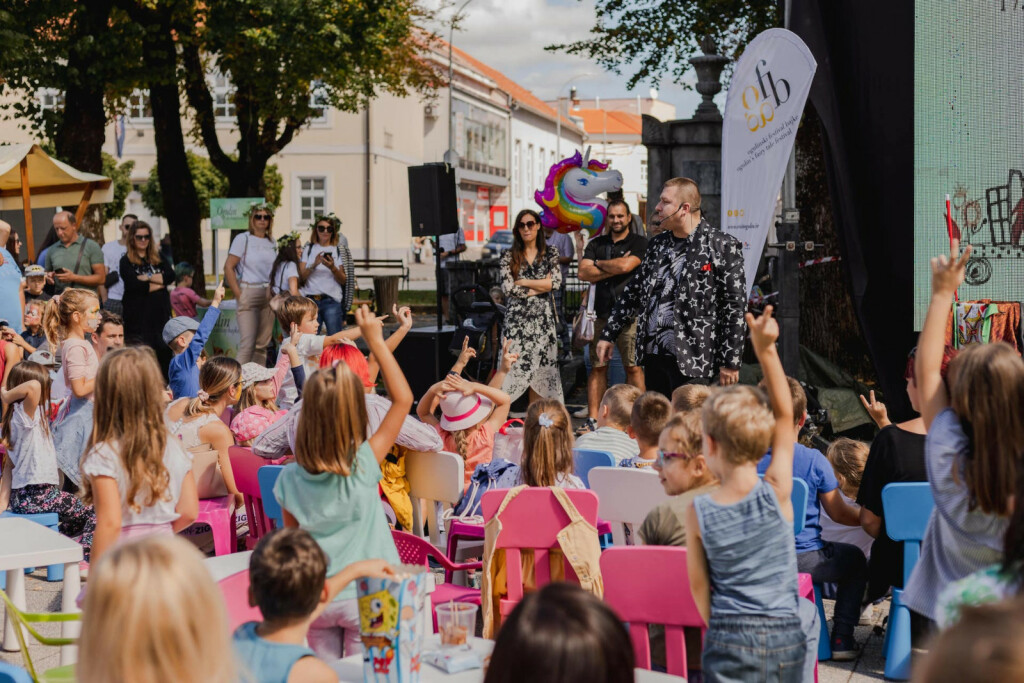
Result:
{"points": [[13, 674], [907, 507], [245, 467], [531, 521], [235, 590], [645, 602], [434, 478], [798, 498], [627, 494], [267, 476], [586, 460]]}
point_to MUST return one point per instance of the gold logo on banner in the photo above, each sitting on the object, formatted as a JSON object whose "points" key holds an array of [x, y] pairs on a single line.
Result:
{"points": [[759, 103]]}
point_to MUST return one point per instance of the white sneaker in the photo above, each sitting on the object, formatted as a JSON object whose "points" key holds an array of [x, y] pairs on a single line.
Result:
{"points": [[582, 413]]}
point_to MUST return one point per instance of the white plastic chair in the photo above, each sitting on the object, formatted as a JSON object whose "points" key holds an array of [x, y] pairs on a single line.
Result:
{"points": [[626, 496], [434, 478]]}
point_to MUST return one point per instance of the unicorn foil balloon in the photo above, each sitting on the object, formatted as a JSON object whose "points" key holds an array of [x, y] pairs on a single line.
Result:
{"points": [[569, 200]]}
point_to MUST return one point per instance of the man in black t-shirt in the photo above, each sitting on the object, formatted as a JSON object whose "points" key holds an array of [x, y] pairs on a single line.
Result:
{"points": [[609, 261]]}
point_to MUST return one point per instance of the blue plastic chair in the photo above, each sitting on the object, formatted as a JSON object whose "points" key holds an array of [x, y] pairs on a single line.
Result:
{"points": [[55, 572], [907, 508], [13, 674], [586, 460], [267, 477]]}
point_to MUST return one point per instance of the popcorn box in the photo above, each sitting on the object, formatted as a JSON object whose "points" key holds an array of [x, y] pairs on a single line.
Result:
{"points": [[390, 617]]}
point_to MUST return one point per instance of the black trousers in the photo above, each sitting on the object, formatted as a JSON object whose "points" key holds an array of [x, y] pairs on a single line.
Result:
{"points": [[661, 374]]}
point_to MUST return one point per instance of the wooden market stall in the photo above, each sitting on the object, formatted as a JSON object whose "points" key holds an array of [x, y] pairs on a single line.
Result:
{"points": [[29, 177]]}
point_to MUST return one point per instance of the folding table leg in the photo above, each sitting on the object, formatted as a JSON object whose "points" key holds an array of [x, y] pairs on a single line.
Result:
{"points": [[16, 592], [70, 629]]}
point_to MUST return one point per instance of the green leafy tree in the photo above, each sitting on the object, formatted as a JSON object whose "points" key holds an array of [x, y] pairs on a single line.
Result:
{"points": [[652, 39], [209, 183], [287, 60], [121, 175]]}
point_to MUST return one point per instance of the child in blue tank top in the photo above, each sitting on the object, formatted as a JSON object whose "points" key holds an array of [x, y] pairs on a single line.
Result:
{"points": [[289, 584], [740, 537]]}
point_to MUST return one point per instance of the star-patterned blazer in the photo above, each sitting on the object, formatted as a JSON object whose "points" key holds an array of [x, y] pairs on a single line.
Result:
{"points": [[710, 302]]}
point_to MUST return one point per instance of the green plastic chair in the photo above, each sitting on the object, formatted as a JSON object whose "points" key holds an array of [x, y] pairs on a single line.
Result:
{"points": [[22, 622]]}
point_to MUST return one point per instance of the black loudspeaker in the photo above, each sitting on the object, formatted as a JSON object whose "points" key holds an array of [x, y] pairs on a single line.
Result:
{"points": [[432, 204], [424, 357]]}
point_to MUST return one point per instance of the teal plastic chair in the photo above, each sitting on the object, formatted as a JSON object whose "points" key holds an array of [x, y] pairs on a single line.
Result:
{"points": [[799, 496], [13, 674], [586, 460], [907, 508], [267, 477]]}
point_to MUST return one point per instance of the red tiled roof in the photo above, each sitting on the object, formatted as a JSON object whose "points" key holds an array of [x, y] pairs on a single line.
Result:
{"points": [[524, 97], [600, 121]]}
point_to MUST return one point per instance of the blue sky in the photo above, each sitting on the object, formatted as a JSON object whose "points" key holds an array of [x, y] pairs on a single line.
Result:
{"points": [[510, 35]]}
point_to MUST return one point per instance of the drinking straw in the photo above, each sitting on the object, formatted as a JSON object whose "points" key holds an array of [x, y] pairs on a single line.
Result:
{"points": [[949, 231]]}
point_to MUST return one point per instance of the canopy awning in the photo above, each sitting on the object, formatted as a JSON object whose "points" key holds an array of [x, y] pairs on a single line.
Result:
{"points": [[29, 177]]}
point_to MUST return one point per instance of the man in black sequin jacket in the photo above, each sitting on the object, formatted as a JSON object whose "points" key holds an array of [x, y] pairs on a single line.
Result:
{"points": [[688, 297]]}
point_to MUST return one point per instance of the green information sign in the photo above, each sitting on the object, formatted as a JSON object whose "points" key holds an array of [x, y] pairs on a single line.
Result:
{"points": [[232, 213]]}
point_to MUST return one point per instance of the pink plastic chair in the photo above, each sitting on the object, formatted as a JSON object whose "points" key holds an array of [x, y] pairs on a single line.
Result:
{"points": [[219, 513], [646, 602], [532, 521], [415, 550], [235, 590], [244, 466]]}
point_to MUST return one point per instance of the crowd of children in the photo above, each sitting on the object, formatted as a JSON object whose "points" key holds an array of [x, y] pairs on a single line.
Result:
{"points": [[726, 458]]}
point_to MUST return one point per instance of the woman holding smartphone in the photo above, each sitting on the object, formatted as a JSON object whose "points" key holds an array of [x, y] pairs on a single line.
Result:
{"points": [[325, 265], [146, 301]]}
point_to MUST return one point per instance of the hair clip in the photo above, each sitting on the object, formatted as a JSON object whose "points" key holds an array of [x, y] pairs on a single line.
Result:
{"points": [[202, 396], [544, 421]]}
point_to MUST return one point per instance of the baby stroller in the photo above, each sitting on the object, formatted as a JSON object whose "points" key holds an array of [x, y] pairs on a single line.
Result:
{"points": [[480, 319]]}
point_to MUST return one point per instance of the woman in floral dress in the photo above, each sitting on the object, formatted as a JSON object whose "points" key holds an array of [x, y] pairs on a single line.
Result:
{"points": [[529, 272]]}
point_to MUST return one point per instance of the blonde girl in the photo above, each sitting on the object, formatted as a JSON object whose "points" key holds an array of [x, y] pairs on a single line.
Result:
{"points": [[975, 433], [471, 414], [66, 320], [153, 614], [547, 447], [257, 407], [247, 271], [847, 457], [35, 485], [196, 421], [137, 477], [331, 489]]}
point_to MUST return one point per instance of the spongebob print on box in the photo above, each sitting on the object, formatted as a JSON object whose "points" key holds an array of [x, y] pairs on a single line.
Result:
{"points": [[389, 625]]}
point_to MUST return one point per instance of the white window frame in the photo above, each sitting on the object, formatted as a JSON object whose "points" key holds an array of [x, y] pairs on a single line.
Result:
{"points": [[321, 120], [542, 157], [50, 99], [643, 171], [528, 171], [141, 107], [517, 180], [222, 89], [298, 194]]}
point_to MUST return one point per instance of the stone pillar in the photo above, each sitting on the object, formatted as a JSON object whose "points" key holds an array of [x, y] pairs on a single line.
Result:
{"points": [[691, 148]]}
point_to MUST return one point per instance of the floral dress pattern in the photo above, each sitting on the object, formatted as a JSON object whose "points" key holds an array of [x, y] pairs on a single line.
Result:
{"points": [[530, 326]]}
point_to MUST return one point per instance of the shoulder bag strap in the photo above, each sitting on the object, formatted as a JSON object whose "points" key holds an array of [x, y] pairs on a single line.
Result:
{"points": [[81, 250]]}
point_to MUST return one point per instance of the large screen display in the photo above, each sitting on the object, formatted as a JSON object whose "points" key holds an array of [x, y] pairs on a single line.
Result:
{"points": [[969, 143]]}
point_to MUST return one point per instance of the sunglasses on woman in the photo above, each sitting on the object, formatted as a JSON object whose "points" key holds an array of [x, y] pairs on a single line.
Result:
{"points": [[143, 238], [261, 217], [528, 224], [664, 456], [325, 228]]}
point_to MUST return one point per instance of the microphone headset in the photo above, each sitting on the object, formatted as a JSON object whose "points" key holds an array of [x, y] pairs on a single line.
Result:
{"points": [[692, 209]]}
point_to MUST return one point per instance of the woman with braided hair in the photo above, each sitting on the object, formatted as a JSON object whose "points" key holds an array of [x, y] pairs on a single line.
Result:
{"points": [[325, 265]]}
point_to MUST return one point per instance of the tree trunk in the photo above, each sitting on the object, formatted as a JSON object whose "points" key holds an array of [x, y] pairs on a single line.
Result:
{"points": [[79, 137], [181, 203], [828, 323]]}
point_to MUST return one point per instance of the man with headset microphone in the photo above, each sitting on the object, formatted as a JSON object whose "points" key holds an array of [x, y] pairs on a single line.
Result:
{"points": [[688, 297]]}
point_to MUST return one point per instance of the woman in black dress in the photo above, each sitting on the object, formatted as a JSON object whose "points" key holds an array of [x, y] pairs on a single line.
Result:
{"points": [[147, 303]]}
